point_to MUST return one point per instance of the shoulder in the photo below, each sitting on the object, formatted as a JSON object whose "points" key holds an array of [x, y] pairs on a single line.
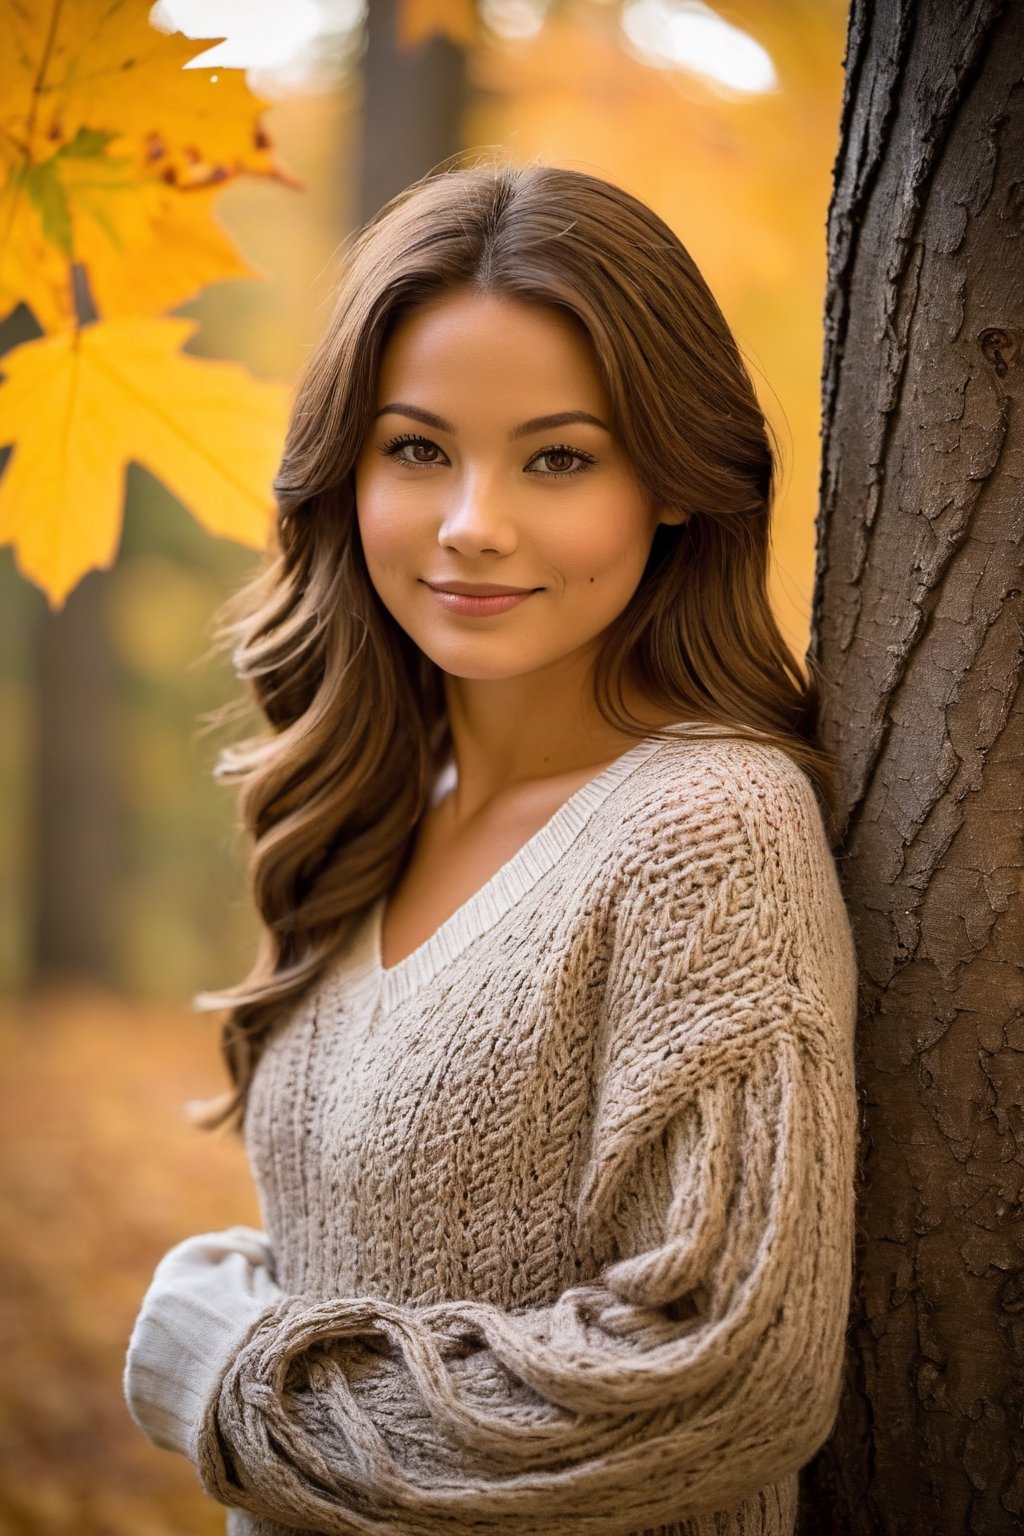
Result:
{"points": [[724, 800], [725, 857]]}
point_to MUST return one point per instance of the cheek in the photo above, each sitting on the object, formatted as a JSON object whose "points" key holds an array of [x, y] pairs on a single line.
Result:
{"points": [[384, 526], [607, 546]]}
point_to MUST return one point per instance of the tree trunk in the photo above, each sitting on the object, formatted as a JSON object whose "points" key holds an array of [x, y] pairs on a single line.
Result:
{"points": [[75, 819], [917, 633], [72, 806], [413, 102]]}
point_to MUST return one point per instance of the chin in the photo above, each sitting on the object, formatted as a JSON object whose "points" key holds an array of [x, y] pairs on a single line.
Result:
{"points": [[470, 674], [512, 661]]}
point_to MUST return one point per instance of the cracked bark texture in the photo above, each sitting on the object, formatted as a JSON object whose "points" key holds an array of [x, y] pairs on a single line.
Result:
{"points": [[917, 634]]}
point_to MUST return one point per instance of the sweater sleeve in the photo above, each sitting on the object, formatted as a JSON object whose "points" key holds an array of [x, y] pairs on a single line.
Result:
{"points": [[705, 1361]]}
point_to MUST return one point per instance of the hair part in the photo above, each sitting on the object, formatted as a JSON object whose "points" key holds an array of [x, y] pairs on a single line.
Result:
{"points": [[332, 793]]}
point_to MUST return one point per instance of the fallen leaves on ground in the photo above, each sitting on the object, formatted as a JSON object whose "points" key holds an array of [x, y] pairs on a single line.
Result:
{"points": [[102, 1173]]}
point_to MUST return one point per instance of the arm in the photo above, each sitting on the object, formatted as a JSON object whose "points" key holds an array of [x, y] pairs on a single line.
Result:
{"points": [[702, 1364], [205, 1296]]}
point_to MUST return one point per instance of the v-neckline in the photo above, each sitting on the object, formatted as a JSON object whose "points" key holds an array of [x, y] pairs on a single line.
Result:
{"points": [[363, 970]]}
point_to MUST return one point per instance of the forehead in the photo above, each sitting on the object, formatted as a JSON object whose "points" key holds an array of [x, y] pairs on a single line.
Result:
{"points": [[464, 339]]}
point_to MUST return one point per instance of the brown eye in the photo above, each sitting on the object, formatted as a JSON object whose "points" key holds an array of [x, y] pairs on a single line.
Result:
{"points": [[395, 449], [557, 463]]}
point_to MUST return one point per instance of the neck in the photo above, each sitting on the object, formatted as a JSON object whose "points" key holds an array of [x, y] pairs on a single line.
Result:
{"points": [[514, 731]]}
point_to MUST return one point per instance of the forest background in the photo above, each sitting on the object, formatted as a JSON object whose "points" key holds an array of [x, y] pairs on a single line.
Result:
{"points": [[728, 126]]}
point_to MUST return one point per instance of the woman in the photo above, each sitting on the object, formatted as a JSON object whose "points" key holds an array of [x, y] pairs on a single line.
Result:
{"points": [[545, 1067]]}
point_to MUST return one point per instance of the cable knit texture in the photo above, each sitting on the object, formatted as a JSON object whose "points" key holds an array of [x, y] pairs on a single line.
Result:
{"points": [[561, 1206]]}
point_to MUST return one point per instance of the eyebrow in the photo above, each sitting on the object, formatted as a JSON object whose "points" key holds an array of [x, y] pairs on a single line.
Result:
{"points": [[535, 424]]}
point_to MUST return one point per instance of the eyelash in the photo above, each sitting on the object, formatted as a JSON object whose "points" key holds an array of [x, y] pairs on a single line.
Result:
{"points": [[390, 449]]}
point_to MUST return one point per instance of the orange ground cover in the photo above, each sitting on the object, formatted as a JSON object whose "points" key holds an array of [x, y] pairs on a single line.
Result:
{"points": [[101, 1174]]}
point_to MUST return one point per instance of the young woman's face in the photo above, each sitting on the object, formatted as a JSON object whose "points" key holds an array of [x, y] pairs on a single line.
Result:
{"points": [[460, 481]]}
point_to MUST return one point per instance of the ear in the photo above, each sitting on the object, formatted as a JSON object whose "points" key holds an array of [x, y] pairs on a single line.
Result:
{"points": [[672, 515]]}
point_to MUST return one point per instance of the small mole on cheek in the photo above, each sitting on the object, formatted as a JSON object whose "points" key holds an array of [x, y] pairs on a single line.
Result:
{"points": [[591, 578]]}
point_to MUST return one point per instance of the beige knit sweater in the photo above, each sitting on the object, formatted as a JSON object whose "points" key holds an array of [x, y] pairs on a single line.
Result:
{"points": [[559, 1210]]}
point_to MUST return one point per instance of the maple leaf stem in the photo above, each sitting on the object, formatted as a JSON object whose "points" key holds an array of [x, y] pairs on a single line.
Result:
{"points": [[85, 306], [44, 60]]}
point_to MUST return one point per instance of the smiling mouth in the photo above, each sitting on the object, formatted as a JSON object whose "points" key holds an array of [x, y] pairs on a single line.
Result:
{"points": [[470, 605]]}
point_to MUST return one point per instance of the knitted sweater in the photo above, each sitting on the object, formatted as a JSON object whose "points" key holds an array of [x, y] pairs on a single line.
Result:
{"points": [[559, 1209]]}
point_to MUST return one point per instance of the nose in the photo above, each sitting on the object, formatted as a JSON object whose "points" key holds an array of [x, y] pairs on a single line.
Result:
{"points": [[474, 520]]}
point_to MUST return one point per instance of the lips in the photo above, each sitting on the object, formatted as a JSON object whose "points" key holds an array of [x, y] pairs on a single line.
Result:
{"points": [[478, 588], [473, 605]]}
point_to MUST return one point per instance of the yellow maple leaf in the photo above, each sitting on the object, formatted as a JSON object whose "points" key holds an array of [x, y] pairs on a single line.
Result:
{"points": [[418, 20], [79, 406], [72, 64], [113, 153]]}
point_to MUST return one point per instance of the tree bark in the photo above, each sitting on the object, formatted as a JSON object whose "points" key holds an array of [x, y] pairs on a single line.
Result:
{"points": [[917, 633]]}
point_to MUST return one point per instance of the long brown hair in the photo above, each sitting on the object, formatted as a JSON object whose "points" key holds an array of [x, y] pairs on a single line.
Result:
{"points": [[332, 793]]}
